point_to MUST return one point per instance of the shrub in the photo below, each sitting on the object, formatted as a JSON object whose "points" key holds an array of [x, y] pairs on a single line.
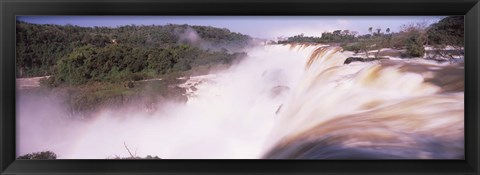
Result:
{"points": [[415, 46], [49, 82], [352, 47], [39, 155]]}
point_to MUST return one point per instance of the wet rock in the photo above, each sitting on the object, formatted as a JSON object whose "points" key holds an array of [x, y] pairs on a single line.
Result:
{"points": [[278, 90], [360, 59]]}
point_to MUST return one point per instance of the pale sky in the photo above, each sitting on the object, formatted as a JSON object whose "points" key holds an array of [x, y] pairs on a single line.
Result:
{"points": [[266, 27]]}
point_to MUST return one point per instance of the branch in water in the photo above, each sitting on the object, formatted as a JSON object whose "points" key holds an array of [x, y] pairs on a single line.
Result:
{"points": [[133, 156]]}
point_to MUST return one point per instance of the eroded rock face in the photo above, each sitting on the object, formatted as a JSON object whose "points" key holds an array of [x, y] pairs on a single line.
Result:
{"points": [[360, 59], [29, 83]]}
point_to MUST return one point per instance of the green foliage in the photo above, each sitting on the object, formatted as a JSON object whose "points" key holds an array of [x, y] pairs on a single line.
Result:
{"points": [[39, 155], [337, 36], [415, 45], [120, 63], [300, 39], [365, 45], [448, 31], [354, 47], [222, 38], [40, 47], [98, 67], [74, 69]]}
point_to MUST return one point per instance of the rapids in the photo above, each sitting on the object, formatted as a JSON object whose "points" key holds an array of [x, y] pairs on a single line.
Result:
{"points": [[283, 101]]}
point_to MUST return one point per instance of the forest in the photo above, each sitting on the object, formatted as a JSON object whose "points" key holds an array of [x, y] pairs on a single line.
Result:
{"points": [[97, 67], [55, 50], [412, 37]]}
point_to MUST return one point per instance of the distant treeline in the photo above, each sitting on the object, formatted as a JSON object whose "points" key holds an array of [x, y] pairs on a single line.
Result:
{"points": [[447, 32], [75, 55], [337, 36]]}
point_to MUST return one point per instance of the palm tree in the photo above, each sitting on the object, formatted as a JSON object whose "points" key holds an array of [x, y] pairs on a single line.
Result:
{"points": [[389, 37]]}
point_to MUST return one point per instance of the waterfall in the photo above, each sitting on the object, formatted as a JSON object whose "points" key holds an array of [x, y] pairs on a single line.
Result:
{"points": [[283, 101], [404, 109]]}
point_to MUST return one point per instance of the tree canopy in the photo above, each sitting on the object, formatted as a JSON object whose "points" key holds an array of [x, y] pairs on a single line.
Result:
{"points": [[41, 49], [448, 31]]}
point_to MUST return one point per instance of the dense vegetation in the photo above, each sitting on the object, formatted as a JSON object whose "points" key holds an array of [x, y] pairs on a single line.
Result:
{"points": [[97, 67], [40, 48], [39, 155], [412, 37], [447, 32], [337, 36], [119, 63]]}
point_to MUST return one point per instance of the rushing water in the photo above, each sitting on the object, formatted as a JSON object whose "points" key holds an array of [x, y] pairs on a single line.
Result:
{"points": [[283, 101], [389, 109]]}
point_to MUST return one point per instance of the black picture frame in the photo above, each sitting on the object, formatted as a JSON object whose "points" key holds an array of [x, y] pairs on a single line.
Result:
{"points": [[9, 9]]}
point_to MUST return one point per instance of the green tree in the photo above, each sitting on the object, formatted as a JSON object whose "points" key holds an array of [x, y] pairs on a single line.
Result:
{"points": [[40, 47], [415, 45], [448, 31]]}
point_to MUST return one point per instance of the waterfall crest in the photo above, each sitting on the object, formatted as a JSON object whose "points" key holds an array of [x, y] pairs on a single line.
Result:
{"points": [[382, 109]]}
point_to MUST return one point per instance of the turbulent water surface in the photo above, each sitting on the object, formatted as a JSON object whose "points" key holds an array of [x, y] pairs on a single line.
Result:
{"points": [[283, 101]]}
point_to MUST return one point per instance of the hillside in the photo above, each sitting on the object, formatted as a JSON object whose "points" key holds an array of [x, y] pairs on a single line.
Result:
{"points": [[40, 47], [92, 68]]}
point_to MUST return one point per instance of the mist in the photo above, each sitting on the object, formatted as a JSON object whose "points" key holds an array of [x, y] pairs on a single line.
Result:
{"points": [[272, 104], [191, 37], [229, 116]]}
